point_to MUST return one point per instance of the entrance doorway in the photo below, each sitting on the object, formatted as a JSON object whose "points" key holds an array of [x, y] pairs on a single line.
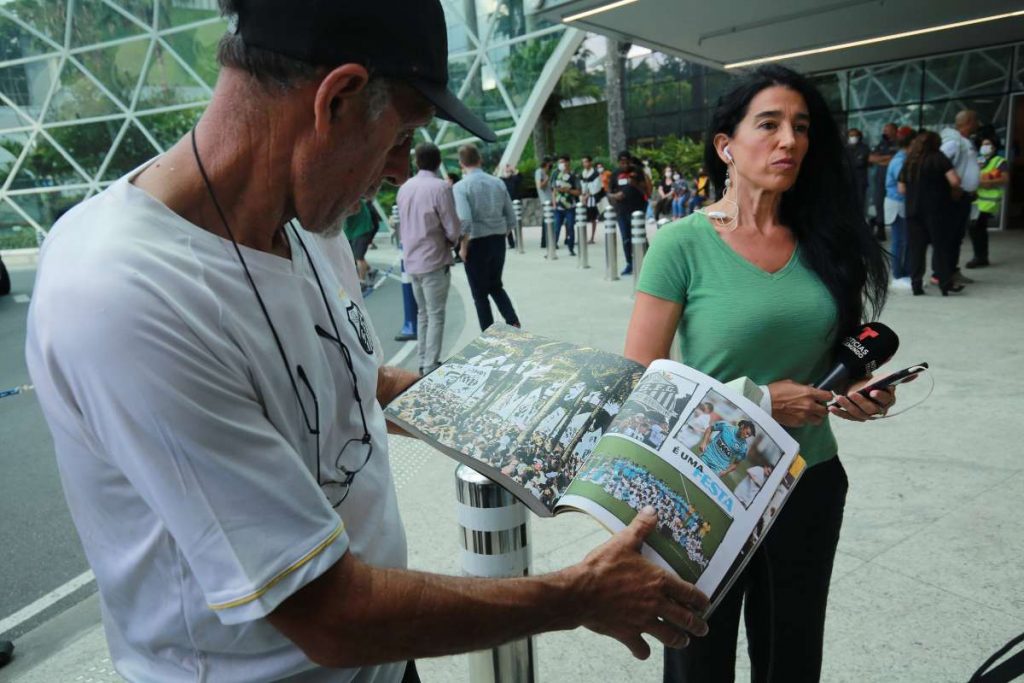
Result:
{"points": [[1015, 155]]}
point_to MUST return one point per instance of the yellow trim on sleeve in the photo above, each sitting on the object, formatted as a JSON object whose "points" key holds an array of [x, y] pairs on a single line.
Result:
{"points": [[284, 573]]}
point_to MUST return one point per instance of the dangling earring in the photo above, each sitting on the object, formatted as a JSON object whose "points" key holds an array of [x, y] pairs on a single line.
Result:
{"points": [[721, 219]]}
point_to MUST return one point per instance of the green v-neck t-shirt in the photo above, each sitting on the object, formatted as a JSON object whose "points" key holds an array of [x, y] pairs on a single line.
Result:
{"points": [[739, 320]]}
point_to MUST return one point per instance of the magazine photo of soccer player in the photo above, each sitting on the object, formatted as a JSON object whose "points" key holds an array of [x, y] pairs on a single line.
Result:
{"points": [[730, 444]]}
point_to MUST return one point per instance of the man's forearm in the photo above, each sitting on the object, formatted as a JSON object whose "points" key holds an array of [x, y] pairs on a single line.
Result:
{"points": [[461, 614], [392, 615]]}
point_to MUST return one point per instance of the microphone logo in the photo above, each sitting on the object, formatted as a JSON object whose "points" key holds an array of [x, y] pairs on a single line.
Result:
{"points": [[855, 347], [867, 333]]}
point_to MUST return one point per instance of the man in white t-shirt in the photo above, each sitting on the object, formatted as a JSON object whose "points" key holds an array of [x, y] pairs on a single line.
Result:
{"points": [[213, 385]]}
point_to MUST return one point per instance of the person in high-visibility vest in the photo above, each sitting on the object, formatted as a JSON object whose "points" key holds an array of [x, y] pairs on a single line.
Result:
{"points": [[994, 178]]}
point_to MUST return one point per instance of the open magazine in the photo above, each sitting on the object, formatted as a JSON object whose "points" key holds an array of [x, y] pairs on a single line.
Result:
{"points": [[564, 427]]}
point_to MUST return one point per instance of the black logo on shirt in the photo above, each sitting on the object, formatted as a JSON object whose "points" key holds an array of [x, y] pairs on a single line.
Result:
{"points": [[358, 322]]}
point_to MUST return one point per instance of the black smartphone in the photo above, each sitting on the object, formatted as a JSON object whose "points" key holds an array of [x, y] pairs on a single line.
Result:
{"points": [[905, 375]]}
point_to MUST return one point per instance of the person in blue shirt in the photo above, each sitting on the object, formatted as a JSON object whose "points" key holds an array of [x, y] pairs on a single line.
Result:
{"points": [[895, 216], [725, 445]]}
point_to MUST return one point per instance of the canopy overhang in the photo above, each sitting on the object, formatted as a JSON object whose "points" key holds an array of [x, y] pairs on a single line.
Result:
{"points": [[730, 32]]}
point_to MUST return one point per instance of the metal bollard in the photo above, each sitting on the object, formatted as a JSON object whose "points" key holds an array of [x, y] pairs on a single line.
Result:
{"points": [[549, 228], [639, 242], [494, 534], [517, 206], [583, 260], [611, 245]]}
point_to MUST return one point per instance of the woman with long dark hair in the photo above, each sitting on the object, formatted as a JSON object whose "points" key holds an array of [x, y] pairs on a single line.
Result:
{"points": [[761, 284], [928, 182]]}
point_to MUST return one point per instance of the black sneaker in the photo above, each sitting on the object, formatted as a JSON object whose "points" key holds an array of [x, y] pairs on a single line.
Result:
{"points": [[977, 263]]}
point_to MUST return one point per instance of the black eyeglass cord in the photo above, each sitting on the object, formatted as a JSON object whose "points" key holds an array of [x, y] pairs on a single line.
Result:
{"points": [[312, 426]]}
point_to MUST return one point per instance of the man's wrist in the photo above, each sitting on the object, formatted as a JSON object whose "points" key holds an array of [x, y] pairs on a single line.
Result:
{"points": [[570, 592]]}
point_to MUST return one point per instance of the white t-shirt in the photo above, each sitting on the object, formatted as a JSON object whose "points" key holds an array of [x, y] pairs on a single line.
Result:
{"points": [[185, 458], [751, 484], [964, 158]]}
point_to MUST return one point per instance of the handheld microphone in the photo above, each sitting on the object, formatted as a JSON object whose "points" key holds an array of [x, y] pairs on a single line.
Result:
{"points": [[859, 355]]}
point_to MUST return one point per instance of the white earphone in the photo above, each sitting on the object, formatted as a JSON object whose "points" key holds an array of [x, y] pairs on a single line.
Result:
{"points": [[728, 154]]}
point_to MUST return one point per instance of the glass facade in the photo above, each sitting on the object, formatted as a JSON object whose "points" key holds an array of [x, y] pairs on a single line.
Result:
{"points": [[666, 95], [90, 89]]}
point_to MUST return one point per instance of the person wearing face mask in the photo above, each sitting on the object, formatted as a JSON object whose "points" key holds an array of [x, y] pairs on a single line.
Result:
{"points": [[680, 196], [858, 153], [760, 284], [665, 196], [565, 194], [992, 184]]}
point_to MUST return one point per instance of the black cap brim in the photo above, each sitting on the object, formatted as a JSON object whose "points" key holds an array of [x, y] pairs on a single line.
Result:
{"points": [[450, 108]]}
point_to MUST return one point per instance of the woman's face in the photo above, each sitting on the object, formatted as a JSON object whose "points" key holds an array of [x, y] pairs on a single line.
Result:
{"points": [[770, 143]]}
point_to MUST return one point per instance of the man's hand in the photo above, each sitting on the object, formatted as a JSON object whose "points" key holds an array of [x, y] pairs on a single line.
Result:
{"points": [[796, 405], [464, 250], [624, 595], [392, 381]]}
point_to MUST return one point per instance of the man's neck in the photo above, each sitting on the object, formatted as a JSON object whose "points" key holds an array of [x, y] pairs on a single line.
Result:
{"points": [[241, 153]]}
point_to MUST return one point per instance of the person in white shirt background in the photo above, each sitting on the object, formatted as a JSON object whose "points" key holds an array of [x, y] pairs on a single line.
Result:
{"points": [[957, 145]]}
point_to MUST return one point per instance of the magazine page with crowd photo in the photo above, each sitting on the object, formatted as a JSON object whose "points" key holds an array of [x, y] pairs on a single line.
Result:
{"points": [[706, 458], [523, 410]]}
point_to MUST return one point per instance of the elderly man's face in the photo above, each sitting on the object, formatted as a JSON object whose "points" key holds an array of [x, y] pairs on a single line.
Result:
{"points": [[356, 156]]}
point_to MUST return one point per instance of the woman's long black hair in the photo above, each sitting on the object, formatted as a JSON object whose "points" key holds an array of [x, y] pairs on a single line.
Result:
{"points": [[822, 207]]}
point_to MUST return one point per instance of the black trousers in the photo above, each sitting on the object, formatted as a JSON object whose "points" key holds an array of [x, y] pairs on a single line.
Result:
{"points": [[411, 675], [959, 228], [979, 237], [484, 264], [785, 587], [939, 231]]}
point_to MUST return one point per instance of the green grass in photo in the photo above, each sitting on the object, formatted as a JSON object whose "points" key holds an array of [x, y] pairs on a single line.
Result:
{"points": [[612, 448]]}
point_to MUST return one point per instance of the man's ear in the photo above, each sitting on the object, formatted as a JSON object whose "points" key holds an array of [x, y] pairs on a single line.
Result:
{"points": [[338, 89]]}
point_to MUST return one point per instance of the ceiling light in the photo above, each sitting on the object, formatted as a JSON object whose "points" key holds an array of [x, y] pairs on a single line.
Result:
{"points": [[871, 41], [596, 10]]}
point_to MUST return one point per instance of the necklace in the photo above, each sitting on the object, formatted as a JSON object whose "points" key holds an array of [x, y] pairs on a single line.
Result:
{"points": [[312, 425]]}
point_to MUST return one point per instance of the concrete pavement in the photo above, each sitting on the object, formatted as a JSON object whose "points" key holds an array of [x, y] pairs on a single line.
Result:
{"points": [[928, 576]]}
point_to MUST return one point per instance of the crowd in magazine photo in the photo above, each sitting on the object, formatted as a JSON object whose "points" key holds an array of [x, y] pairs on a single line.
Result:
{"points": [[654, 406], [529, 459], [678, 519], [527, 409]]}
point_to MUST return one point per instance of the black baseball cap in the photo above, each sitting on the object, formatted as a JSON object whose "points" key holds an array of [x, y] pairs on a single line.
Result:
{"points": [[402, 39]]}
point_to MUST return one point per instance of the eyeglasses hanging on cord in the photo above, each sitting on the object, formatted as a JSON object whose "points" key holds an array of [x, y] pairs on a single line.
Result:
{"points": [[358, 449]]}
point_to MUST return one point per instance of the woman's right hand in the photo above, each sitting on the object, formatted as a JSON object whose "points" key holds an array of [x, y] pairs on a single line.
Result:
{"points": [[796, 405]]}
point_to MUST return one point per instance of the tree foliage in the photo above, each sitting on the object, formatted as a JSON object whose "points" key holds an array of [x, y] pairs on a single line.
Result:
{"points": [[682, 154]]}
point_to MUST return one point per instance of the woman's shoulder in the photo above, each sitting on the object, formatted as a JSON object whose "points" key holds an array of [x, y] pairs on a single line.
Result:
{"points": [[692, 230]]}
